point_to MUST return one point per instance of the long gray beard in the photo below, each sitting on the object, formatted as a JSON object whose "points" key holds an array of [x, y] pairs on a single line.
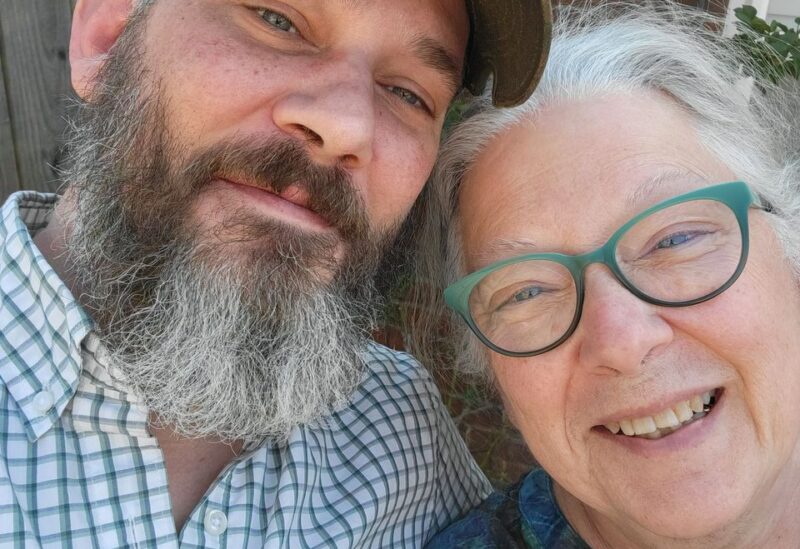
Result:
{"points": [[238, 348], [212, 365], [238, 341]]}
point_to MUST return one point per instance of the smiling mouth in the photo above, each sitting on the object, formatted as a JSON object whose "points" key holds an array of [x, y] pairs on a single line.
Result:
{"points": [[292, 202], [667, 421], [292, 194]]}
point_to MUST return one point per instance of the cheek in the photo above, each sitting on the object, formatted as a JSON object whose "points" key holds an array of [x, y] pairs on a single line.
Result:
{"points": [[234, 81], [769, 321], [759, 316], [401, 163], [534, 402], [753, 327]]}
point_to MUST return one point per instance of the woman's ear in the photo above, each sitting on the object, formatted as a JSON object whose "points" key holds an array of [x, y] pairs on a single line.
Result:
{"points": [[96, 26]]}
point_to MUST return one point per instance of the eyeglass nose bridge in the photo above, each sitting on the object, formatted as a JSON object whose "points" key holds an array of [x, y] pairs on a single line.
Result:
{"points": [[577, 266], [606, 255]]}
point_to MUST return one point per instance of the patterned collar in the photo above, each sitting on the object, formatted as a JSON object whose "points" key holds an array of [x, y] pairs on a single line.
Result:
{"points": [[42, 323]]}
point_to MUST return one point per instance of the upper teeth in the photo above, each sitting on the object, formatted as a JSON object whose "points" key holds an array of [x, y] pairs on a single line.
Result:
{"points": [[669, 418]]}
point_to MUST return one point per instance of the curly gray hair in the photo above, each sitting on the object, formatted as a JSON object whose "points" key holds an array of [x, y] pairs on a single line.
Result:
{"points": [[615, 47]]}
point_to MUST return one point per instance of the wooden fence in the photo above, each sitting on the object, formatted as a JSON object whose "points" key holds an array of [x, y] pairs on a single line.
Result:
{"points": [[34, 91]]}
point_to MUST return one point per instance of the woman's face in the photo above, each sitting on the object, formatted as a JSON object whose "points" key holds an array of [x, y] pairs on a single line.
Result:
{"points": [[565, 182]]}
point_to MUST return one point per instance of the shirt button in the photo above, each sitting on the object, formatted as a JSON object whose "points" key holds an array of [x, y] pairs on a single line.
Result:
{"points": [[43, 401], [215, 522]]}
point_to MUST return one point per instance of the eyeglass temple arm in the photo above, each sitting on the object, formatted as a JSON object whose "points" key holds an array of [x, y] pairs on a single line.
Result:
{"points": [[762, 203]]}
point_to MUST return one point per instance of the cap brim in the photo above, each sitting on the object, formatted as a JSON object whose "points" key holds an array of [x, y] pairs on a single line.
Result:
{"points": [[509, 40]]}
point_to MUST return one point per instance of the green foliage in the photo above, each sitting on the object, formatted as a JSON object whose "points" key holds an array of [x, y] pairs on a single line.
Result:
{"points": [[774, 47], [454, 114]]}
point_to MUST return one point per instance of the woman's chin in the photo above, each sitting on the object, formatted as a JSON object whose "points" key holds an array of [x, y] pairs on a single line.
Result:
{"points": [[704, 494], [647, 518]]}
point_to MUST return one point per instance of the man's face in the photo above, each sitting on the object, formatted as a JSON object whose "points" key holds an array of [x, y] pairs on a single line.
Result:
{"points": [[363, 85], [235, 173]]}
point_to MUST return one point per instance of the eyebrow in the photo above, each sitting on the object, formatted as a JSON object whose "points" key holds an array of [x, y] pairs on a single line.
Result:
{"points": [[499, 248], [435, 56], [504, 248], [651, 185], [429, 51], [354, 4]]}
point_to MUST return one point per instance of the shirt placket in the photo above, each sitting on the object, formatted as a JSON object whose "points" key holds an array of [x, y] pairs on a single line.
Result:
{"points": [[126, 479]]}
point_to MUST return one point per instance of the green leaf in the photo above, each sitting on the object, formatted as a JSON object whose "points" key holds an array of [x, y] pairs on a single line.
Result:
{"points": [[793, 68], [759, 25], [780, 46], [773, 47], [454, 114], [746, 13], [778, 25]]}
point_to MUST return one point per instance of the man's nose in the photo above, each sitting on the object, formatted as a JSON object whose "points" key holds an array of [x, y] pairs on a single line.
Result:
{"points": [[334, 113], [617, 329]]}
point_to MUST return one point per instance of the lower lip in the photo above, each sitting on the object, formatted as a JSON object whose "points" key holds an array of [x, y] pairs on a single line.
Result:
{"points": [[683, 439], [275, 206]]}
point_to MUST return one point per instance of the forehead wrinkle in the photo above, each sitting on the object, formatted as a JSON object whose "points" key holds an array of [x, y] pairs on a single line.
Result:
{"points": [[355, 5], [436, 56]]}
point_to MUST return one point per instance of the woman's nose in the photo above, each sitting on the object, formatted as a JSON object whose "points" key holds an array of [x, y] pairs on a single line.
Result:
{"points": [[617, 329]]}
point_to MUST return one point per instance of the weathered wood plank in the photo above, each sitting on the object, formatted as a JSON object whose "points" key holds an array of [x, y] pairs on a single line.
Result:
{"points": [[35, 37], [9, 180]]}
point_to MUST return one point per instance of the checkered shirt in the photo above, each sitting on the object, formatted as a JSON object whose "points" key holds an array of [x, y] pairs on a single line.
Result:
{"points": [[78, 467]]}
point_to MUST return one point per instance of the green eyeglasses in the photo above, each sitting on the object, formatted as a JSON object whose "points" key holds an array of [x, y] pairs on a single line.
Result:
{"points": [[680, 252]]}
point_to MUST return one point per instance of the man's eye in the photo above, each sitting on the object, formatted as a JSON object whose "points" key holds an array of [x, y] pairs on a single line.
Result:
{"points": [[277, 20], [408, 96]]}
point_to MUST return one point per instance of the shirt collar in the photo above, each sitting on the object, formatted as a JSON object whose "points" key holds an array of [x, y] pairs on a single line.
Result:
{"points": [[41, 323]]}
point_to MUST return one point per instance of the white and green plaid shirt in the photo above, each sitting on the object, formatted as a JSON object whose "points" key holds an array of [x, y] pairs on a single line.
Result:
{"points": [[78, 467]]}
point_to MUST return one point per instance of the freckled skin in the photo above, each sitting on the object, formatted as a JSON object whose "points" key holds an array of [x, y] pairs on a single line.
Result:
{"points": [[562, 181], [226, 75]]}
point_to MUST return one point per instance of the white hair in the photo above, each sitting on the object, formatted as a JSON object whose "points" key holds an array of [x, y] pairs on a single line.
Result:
{"points": [[141, 6], [617, 47]]}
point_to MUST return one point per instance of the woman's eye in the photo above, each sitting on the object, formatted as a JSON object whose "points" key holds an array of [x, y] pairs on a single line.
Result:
{"points": [[674, 240], [408, 96], [526, 294], [277, 20], [521, 298]]}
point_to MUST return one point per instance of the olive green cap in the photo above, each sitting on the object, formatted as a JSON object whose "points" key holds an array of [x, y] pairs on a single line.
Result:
{"points": [[509, 40]]}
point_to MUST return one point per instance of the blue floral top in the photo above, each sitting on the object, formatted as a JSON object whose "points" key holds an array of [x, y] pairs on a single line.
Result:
{"points": [[525, 515]]}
